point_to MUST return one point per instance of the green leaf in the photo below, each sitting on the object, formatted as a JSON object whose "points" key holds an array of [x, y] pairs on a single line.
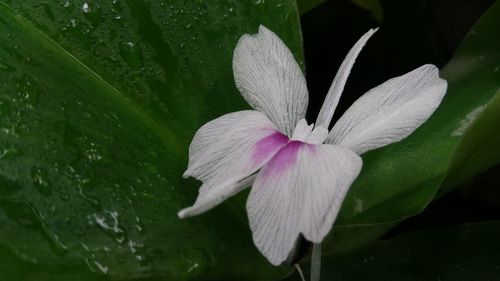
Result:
{"points": [[400, 180], [307, 5], [447, 254], [478, 149], [99, 101]]}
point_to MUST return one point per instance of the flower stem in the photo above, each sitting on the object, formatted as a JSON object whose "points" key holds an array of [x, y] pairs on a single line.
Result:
{"points": [[316, 262]]}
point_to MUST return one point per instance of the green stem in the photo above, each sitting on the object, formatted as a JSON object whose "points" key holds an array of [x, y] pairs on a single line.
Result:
{"points": [[316, 262]]}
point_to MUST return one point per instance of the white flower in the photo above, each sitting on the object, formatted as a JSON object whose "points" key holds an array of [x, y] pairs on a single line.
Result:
{"points": [[299, 173]]}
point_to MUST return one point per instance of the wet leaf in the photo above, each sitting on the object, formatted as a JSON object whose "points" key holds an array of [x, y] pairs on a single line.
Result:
{"points": [[98, 103]]}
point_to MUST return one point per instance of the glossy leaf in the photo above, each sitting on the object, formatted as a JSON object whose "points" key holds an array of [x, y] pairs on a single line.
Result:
{"points": [[465, 253], [400, 180], [478, 150], [98, 103]]}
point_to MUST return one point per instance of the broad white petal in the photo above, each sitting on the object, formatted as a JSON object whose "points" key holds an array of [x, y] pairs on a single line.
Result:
{"points": [[270, 79], [300, 190], [333, 96], [216, 195], [226, 151], [391, 111]]}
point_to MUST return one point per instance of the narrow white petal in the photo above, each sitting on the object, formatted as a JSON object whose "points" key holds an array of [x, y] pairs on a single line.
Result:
{"points": [[318, 135], [333, 96], [300, 190], [391, 111], [226, 151], [270, 79]]}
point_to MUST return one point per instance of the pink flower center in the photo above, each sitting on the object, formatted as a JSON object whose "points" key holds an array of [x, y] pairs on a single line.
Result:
{"points": [[267, 147], [285, 159]]}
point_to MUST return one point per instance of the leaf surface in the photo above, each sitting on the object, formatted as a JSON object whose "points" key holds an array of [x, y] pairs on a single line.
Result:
{"points": [[99, 101]]}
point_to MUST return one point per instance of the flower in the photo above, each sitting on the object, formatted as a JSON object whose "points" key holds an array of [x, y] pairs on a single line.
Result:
{"points": [[299, 173]]}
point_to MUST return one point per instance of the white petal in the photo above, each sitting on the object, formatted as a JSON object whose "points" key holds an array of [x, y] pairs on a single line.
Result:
{"points": [[216, 195], [391, 111], [270, 79], [300, 190], [226, 151], [308, 133], [333, 96], [318, 135], [302, 130]]}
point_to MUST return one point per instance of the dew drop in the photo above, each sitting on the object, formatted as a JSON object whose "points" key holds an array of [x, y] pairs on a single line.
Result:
{"points": [[96, 266], [72, 22], [131, 54], [40, 181], [86, 8], [64, 196]]}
